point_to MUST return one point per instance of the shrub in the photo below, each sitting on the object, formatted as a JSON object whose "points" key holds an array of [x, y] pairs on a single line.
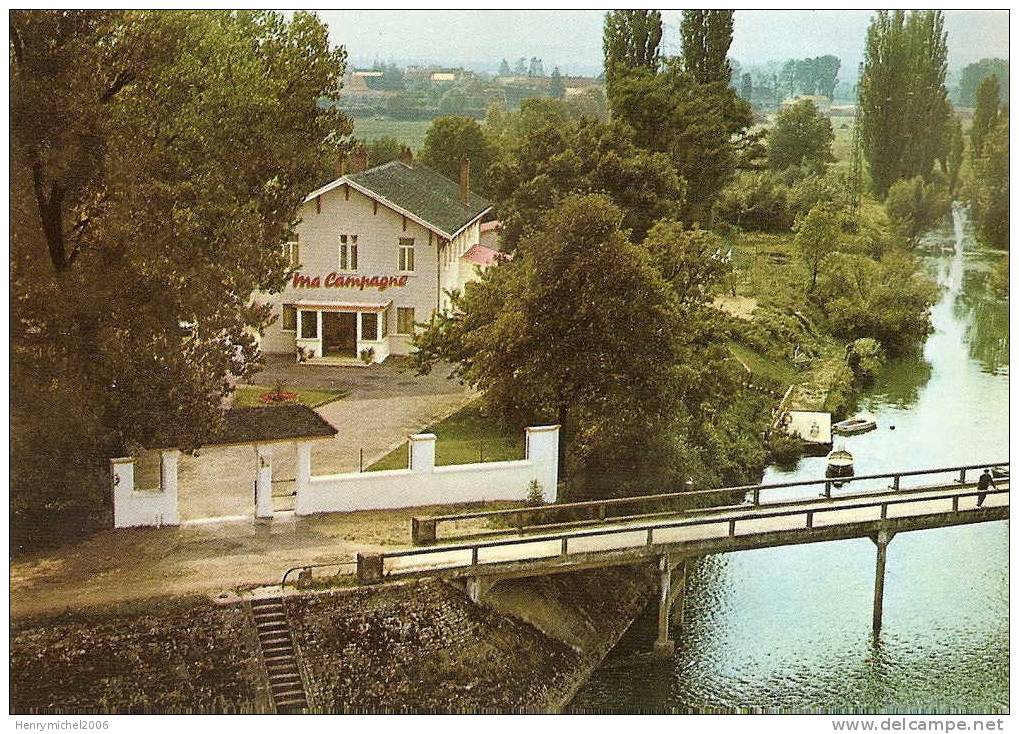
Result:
{"points": [[915, 205], [784, 450], [887, 300], [864, 357]]}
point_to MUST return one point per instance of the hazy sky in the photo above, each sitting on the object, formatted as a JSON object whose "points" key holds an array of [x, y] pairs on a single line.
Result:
{"points": [[572, 38]]}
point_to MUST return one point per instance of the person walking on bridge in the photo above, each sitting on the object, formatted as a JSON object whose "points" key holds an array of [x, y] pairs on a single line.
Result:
{"points": [[983, 483]]}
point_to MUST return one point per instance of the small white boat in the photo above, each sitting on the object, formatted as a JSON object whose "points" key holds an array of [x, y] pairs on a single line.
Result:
{"points": [[840, 466], [857, 424]]}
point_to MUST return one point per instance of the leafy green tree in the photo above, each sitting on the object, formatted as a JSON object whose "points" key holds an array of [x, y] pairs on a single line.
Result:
{"points": [[704, 128], [747, 87], [955, 153], [451, 139], [801, 136], [990, 184], [973, 74], [788, 77], [888, 300], [549, 155], [914, 206], [827, 74], [706, 37], [504, 68], [158, 161], [818, 235], [630, 40], [556, 87], [986, 114], [382, 150], [903, 108], [689, 259], [581, 329]]}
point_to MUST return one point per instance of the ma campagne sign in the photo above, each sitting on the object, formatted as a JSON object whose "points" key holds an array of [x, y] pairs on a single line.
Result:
{"points": [[339, 280]]}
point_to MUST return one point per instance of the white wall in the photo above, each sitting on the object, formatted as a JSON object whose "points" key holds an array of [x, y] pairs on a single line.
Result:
{"points": [[426, 484], [422, 483], [155, 507]]}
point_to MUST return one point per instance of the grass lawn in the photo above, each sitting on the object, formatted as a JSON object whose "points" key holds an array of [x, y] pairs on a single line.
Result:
{"points": [[779, 372], [465, 437], [408, 132], [246, 396]]}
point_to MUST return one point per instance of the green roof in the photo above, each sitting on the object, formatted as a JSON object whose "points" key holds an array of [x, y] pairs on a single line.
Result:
{"points": [[425, 193]]}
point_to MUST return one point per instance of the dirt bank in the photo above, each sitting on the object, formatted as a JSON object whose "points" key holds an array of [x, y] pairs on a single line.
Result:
{"points": [[416, 646], [426, 647]]}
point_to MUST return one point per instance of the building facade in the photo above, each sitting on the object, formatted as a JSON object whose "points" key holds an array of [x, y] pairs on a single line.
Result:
{"points": [[376, 253]]}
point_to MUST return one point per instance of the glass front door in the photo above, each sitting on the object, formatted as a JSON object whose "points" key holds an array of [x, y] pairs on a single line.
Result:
{"points": [[339, 334]]}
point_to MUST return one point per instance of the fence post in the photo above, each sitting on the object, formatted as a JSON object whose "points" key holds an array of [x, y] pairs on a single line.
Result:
{"points": [[369, 568], [422, 530], [895, 483], [827, 489], [962, 476]]}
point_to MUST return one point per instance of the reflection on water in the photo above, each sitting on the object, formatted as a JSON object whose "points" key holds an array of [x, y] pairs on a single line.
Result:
{"points": [[789, 628]]}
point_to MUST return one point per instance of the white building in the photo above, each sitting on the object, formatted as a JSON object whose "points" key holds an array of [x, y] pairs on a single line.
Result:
{"points": [[376, 253]]}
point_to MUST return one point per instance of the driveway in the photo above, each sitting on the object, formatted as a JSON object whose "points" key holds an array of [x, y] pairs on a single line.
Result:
{"points": [[384, 404]]}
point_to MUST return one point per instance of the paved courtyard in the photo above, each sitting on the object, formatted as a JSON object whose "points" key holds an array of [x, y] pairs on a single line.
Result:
{"points": [[384, 404]]}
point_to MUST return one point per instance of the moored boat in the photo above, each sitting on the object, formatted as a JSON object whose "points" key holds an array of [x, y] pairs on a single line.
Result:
{"points": [[857, 424], [840, 466]]}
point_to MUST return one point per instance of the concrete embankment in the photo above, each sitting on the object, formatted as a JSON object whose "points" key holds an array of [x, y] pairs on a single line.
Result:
{"points": [[413, 646]]}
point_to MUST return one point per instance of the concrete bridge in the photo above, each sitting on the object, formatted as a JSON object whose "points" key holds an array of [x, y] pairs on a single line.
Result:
{"points": [[877, 507]]}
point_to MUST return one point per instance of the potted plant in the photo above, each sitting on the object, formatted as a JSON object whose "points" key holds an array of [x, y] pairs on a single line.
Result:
{"points": [[368, 355]]}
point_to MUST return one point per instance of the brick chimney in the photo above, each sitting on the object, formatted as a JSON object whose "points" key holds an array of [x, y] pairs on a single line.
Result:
{"points": [[341, 166], [359, 159], [465, 181], [406, 157]]}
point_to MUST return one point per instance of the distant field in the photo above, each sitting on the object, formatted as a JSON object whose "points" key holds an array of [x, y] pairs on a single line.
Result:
{"points": [[408, 132]]}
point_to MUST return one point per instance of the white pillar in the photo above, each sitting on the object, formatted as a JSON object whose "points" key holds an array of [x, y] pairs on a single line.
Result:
{"points": [[168, 483], [543, 452], [302, 475], [263, 482], [123, 485], [422, 452]]}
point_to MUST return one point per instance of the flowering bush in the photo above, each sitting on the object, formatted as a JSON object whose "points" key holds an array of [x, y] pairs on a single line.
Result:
{"points": [[273, 397]]}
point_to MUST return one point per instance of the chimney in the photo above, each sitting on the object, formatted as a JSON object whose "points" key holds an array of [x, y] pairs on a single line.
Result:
{"points": [[359, 160], [406, 157], [465, 181], [341, 166]]}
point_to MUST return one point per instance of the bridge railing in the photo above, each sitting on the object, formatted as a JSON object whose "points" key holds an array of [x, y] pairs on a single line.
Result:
{"points": [[424, 529], [372, 567]]}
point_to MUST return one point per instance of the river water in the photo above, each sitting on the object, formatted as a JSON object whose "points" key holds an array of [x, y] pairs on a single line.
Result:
{"points": [[788, 629]]}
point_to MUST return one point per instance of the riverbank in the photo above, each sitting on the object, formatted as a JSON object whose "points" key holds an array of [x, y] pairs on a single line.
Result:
{"points": [[418, 646], [788, 629]]}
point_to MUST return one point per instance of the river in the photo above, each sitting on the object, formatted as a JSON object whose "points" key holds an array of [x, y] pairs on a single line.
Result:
{"points": [[788, 629]]}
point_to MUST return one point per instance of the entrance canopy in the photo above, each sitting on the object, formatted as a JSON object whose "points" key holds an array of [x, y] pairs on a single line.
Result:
{"points": [[341, 306]]}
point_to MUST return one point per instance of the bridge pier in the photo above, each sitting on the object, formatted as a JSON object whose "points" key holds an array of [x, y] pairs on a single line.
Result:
{"points": [[881, 540], [671, 593]]}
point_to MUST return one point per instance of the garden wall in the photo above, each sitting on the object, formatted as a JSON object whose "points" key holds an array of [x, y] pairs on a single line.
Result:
{"points": [[424, 483]]}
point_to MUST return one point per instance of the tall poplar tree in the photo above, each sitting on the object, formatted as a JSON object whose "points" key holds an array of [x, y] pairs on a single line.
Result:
{"points": [[706, 37], [903, 101], [630, 40], [986, 113]]}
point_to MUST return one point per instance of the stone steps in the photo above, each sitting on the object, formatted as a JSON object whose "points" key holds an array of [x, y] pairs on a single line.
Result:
{"points": [[277, 647]]}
